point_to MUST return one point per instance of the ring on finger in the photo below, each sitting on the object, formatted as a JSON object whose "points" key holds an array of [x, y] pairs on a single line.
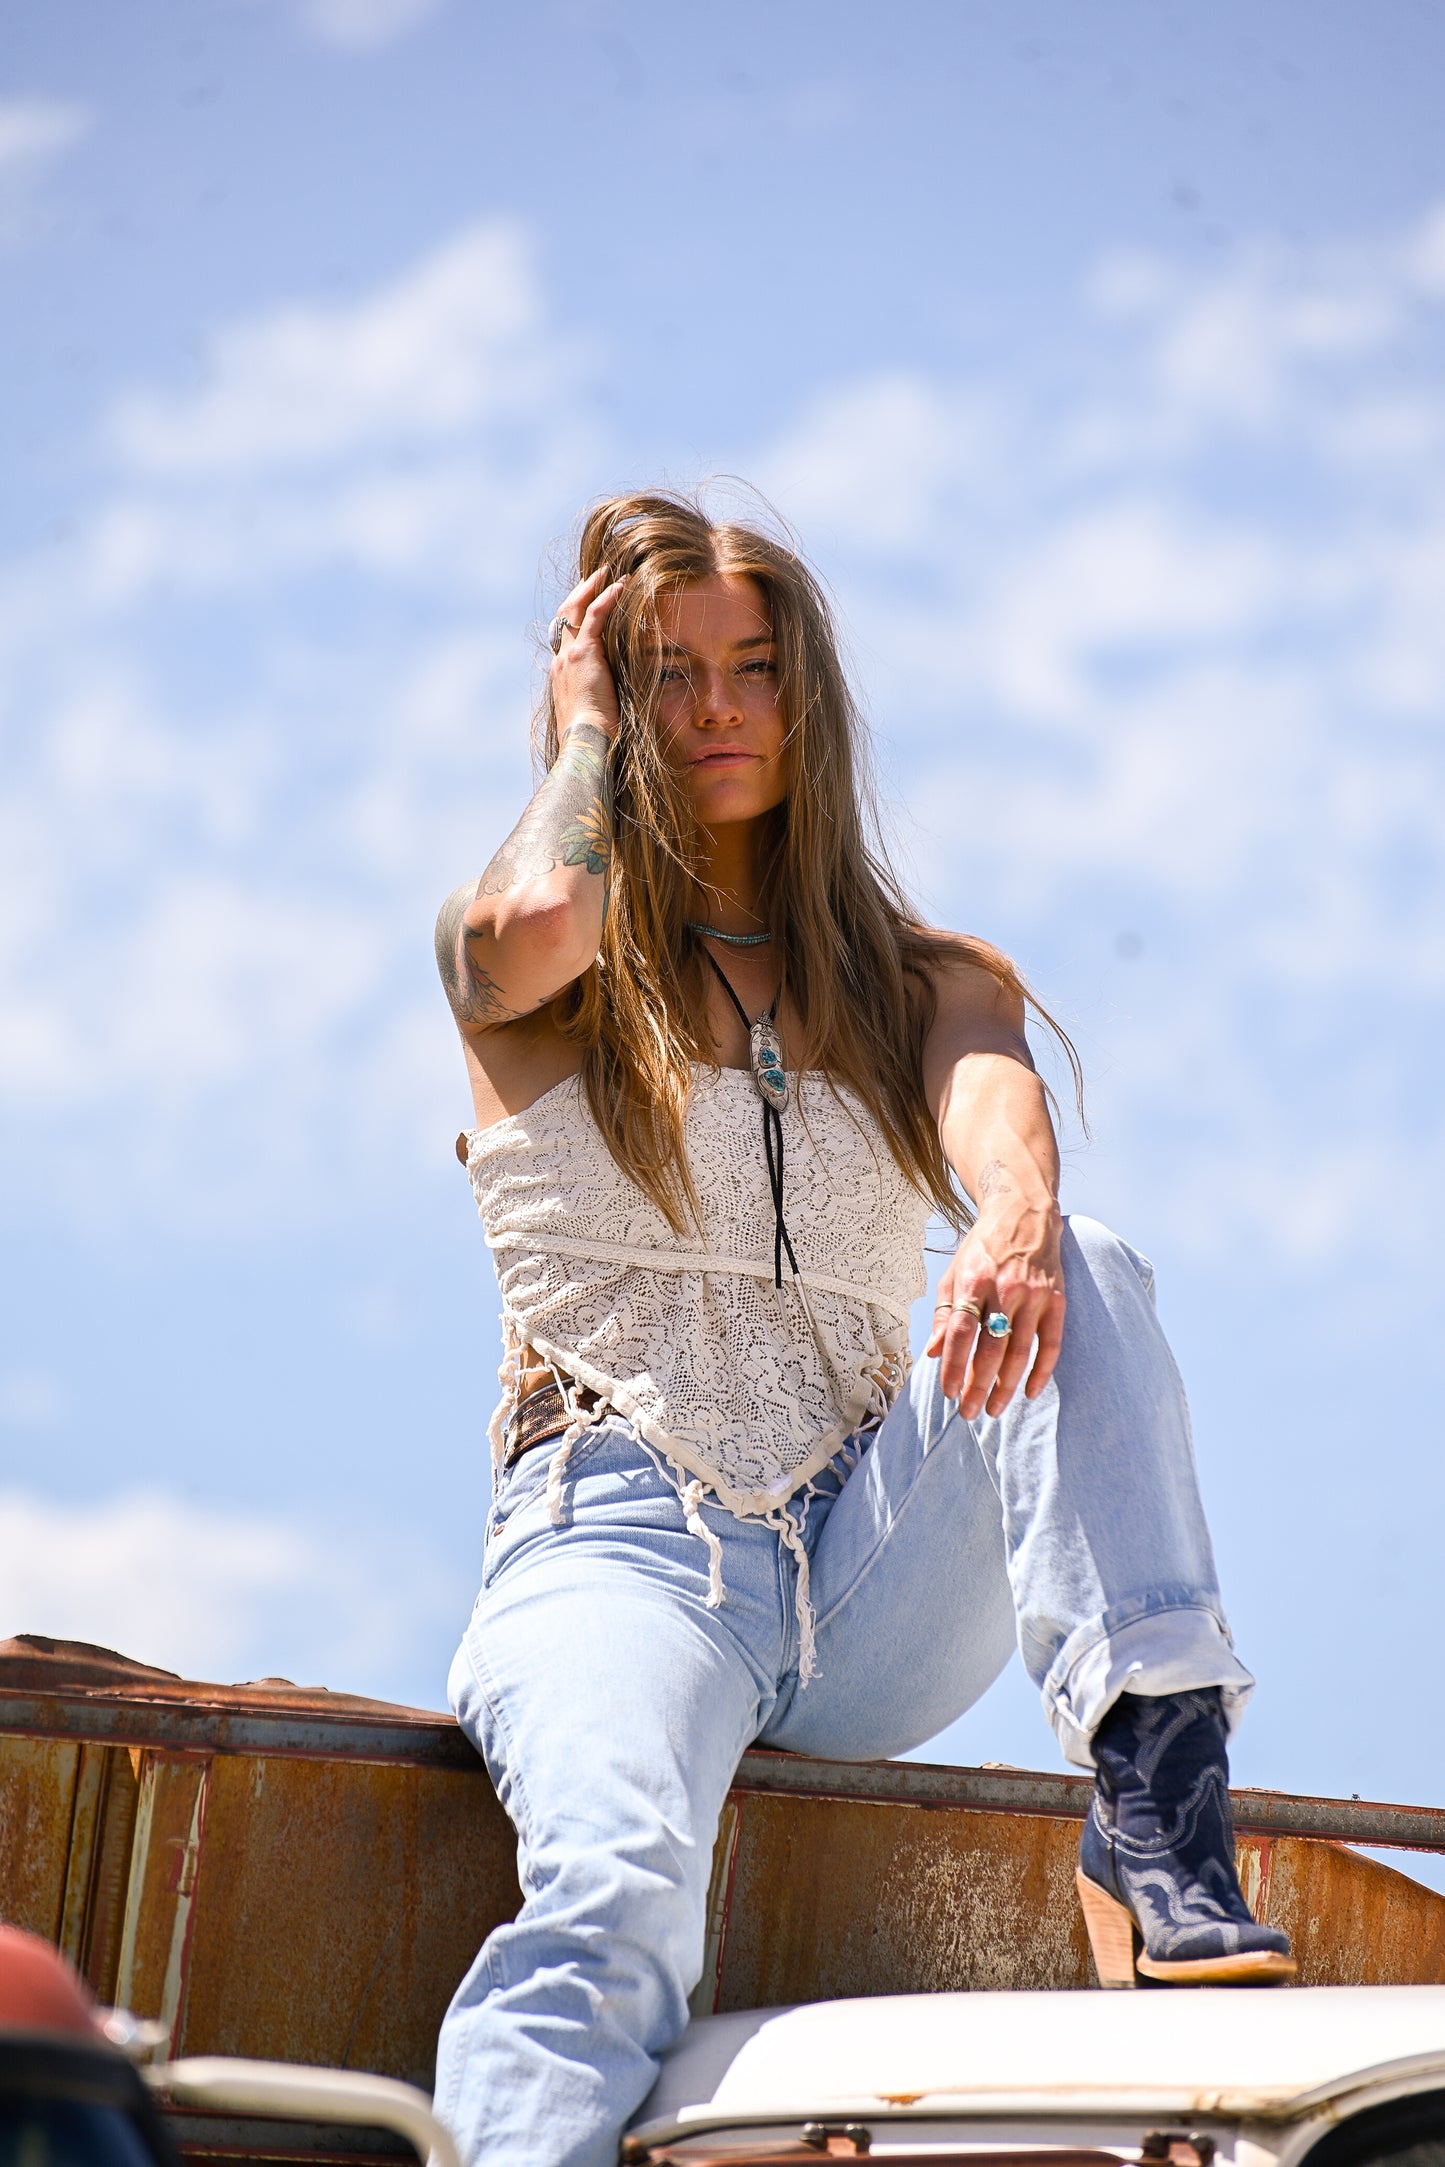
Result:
{"points": [[997, 1325], [556, 628], [971, 1309]]}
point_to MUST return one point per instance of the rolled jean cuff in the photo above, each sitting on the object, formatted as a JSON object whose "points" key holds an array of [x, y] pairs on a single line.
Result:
{"points": [[1153, 1644]]}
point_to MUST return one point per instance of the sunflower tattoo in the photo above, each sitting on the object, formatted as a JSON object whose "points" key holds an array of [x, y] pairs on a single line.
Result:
{"points": [[588, 840], [587, 837]]}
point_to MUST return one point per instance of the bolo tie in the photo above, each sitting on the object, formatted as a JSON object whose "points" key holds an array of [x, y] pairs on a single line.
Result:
{"points": [[765, 1053]]}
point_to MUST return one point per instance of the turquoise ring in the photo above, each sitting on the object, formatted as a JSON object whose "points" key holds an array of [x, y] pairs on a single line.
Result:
{"points": [[996, 1324]]}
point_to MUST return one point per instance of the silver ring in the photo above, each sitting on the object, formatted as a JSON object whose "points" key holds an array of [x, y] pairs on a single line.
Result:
{"points": [[996, 1324], [556, 628]]}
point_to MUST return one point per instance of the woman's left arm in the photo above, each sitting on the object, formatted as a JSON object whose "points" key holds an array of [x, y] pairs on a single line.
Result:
{"points": [[993, 1117]]}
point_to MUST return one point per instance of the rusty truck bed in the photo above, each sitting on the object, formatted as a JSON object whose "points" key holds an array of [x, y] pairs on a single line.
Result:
{"points": [[304, 1876]]}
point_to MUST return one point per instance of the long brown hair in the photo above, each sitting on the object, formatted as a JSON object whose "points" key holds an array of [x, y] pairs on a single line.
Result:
{"points": [[854, 957]]}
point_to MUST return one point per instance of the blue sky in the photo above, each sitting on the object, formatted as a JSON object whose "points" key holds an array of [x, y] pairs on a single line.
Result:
{"points": [[1094, 353]]}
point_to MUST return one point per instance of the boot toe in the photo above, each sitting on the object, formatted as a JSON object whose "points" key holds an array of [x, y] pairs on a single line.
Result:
{"points": [[1207, 1940]]}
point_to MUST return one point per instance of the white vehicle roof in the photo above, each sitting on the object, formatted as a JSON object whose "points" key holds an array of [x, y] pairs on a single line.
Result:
{"points": [[1184, 2052]]}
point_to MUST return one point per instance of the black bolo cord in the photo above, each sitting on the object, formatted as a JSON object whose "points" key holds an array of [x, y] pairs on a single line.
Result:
{"points": [[772, 1135]]}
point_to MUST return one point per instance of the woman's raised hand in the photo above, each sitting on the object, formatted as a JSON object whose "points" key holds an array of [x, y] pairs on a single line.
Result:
{"points": [[1007, 1264], [582, 685]]}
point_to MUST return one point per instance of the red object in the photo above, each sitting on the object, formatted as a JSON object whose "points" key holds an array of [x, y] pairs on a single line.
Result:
{"points": [[38, 1990]]}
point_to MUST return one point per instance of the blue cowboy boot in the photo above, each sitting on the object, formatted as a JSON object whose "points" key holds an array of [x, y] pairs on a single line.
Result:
{"points": [[1156, 1862]]}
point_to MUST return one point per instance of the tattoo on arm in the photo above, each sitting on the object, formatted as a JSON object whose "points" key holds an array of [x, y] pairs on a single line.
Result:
{"points": [[569, 822], [994, 1178], [475, 995]]}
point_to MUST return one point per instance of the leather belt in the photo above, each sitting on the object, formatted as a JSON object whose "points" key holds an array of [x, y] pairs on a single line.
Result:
{"points": [[541, 1415]]}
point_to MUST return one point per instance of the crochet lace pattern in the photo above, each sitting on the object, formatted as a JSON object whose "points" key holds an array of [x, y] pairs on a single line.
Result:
{"points": [[744, 1389]]}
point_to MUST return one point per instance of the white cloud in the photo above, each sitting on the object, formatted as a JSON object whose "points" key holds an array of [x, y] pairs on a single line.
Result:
{"points": [[364, 25], [875, 463], [1247, 343], [452, 518], [220, 1593], [159, 962], [1158, 669], [451, 344], [1133, 575], [421, 432], [1232, 347], [35, 130], [1167, 640]]}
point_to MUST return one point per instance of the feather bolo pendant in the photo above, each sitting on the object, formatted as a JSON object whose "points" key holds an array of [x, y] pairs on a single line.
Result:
{"points": [[766, 1052]]}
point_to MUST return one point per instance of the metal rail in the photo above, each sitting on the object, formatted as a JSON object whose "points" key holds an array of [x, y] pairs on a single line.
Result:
{"points": [[417, 1738], [1027, 1790]]}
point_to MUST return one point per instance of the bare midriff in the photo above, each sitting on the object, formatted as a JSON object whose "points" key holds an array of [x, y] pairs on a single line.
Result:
{"points": [[533, 1373]]}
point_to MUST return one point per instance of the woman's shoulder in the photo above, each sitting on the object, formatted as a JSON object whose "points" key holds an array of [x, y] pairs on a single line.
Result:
{"points": [[938, 953]]}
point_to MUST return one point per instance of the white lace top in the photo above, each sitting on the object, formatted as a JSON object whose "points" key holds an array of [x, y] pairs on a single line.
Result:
{"points": [[747, 1390]]}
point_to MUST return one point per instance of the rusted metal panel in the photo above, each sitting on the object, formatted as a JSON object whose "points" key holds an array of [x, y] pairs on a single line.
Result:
{"points": [[97, 1868], [109, 1886], [336, 1908], [834, 1897], [827, 1898], [66, 1818], [37, 1801], [1354, 1922], [87, 1817], [155, 1942], [319, 1902]]}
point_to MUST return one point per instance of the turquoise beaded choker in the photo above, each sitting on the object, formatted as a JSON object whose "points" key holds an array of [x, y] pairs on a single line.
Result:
{"points": [[734, 940]]}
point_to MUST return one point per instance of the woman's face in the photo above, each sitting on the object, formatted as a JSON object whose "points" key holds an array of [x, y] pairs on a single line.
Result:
{"points": [[722, 730]]}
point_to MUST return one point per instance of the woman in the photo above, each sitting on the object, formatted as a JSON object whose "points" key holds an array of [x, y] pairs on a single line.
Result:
{"points": [[722, 1077]]}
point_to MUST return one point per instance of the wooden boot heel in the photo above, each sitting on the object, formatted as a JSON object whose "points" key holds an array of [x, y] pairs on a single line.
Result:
{"points": [[1112, 1934]]}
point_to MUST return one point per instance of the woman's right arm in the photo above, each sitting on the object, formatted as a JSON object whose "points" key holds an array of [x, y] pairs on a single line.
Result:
{"points": [[510, 942]]}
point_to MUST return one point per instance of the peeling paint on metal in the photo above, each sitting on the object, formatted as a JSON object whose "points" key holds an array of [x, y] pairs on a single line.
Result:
{"points": [[37, 1799]]}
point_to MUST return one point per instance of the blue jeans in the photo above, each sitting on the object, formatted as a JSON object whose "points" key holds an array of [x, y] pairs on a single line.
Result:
{"points": [[611, 1705]]}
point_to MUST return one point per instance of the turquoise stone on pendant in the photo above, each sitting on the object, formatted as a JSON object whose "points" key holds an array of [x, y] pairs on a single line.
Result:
{"points": [[766, 1050]]}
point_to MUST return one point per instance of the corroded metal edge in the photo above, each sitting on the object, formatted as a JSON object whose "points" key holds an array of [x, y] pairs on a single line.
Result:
{"points": [[1039, 1791], [421, 1738], [922, 1783], [416, 1737]]}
